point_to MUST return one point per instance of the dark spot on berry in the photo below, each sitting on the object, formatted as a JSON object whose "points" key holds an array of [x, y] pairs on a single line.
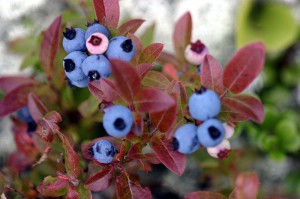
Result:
{"points": [[127, 45], [69, 65], [194, 143], [175, 144], [91, 151], [70, 33], [95, 41], [119, 124], [214, 132], [98, 149], [31, 126], [90, 24], [94, 75], [197, 47], [110, 152], [201, 90], [223, 153]]}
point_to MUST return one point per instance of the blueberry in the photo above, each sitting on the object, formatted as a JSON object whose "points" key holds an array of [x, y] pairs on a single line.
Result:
{"points": [[103, 151], [24, 115], [96, 66], [96, 27], [122, 48], [74, 40], [117, 120], [195, 52], [185, 139], [204, 104], [211, 133], [72, 65], [82, 83], [97, 43]]}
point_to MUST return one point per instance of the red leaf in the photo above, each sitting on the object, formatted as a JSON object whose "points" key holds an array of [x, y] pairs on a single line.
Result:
{"points": [[130, 26], [49, 46], [170, 70], [53, 186], [71, 158], [127, 189], [107, 12], [47, 126], [18, 162], [72, 193], [101, 180], [96, 90], [211, 74], [138, 126], [23, 140], [152, 100], [105, 89], [36, 108], [169, 58], [163, 148], [9, 83], [143, 69], [204, 195], [182, 35], [151, 53], [244, 67], [164, 120], [232, 116], [155, 79], [17, 98], [127, 79], [139, 48], [248, 106], [246, 186]]}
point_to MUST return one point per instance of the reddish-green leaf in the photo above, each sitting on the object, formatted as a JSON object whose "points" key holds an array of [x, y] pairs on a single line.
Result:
{"points": [[127, 79], [36, 108], [84, 193], [107, 12], [71, 158], [9, 83], [164, 120], [152, 100], [49, 46], [143, 69], [47, 126], [165, 152], [138, 125], [101, 180], [53, 186], [204, 195], [182, 35], [177, 88], [104, 89], [72, 193], [96, 90], [246, 186], [127, 189], [17, 98], [244, 67], [155, 79], [232, 116], [151, 53], [18, 162], [166, 57], [212, 74], [139, 48], [250, 107], [130, 26], [170, 70]]}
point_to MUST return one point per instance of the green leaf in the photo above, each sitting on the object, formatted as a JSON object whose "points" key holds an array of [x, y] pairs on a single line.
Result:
{"points": [[148, 35], [270, 22], [287, 133]]}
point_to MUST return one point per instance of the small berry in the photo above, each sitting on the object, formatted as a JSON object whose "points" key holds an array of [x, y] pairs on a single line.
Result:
{"points": [[97, 43], [229, 130], [95, 67], [211, 133], [82, 83], [103, 151], [220, 151], [96, 27], [72, 65], [121, 47], [204, 104], [195, 52], [74, 40], [117, 120], [23, 114], [185, 139]]}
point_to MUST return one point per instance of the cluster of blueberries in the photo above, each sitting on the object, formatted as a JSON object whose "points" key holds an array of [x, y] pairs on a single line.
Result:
{"points": [[204, 105], [90, 52]]}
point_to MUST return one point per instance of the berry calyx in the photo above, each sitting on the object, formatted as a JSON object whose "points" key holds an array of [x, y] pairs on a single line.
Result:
{"points": [[223, 153], [94, 75], [95, 41], [69, 65], [214, 132], [127, 45], [201, 90], [70, 33], [197, 47], [120, 124]]}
